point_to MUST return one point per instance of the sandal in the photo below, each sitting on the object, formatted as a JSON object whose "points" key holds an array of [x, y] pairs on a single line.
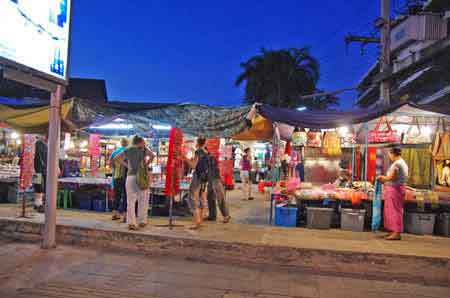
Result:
{"points": [[196, 227], [227, 219], [133, 228]]}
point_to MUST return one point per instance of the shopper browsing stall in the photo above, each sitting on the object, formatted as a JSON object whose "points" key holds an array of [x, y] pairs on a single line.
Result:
{"points": [[394, 192], [137, 157], [119, 178], [198, 187], [246, 168], [216, 192]]}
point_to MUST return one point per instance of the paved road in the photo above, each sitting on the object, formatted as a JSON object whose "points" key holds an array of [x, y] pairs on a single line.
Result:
{"points": [[26, 271]]}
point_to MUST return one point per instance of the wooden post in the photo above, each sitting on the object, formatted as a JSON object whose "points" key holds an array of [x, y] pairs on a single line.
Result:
{"points": [[51, 186]]}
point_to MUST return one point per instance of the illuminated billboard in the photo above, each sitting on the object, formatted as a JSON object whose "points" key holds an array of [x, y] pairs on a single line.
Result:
{"points": [[35, 34]]}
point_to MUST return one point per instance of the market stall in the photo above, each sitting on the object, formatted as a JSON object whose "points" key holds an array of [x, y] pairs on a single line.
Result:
{"points": [[355, 142]]}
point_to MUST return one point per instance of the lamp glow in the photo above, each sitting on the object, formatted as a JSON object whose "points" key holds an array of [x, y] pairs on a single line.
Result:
{"points": [[301, 109], [344, 130], [14, 135], [161, 127]]}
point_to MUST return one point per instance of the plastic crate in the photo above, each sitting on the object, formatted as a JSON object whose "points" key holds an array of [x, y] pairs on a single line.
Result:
{"points": [[352, 219], [99, 205], [85, 204], [285, 216], [420, 223], [443, 224], [319, 218]]}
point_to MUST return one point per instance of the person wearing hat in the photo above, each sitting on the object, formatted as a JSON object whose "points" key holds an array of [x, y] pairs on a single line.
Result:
{"points": [[394, 193]]}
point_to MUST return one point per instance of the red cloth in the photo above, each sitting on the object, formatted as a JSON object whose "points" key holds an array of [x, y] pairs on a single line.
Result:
{"points": [[288, 148], [174, 162], [394, 198]]}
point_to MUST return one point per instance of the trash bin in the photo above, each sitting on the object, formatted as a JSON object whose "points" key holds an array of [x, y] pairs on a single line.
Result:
{"points": [[318, 218], [419, 223], [443, 224], [353, 219]]}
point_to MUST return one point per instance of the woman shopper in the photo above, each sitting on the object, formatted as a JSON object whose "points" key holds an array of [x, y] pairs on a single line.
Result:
{"points": [[246, 168], [137, 156], [198, 188], [119, 178], [394, 192]]}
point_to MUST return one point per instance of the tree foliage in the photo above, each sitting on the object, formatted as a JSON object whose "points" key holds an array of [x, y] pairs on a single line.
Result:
{"points": [[281, 77]]}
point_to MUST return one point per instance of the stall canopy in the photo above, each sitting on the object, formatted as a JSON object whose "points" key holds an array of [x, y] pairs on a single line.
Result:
{"points": [[29, 119], [80, 114], [333, 119]]}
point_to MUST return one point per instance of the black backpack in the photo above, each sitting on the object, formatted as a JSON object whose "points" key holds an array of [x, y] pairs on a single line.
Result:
{"points": [[203, 167]]}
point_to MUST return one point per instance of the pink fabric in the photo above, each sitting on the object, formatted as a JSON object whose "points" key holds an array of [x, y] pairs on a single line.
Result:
{"points": [[394, 197]]}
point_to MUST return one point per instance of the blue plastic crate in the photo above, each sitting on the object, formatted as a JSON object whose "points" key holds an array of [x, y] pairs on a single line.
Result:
{"points": [[85, 204], [99, 205], [285, 216]]}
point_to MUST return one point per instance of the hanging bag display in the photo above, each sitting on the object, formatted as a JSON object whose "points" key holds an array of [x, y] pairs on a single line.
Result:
{"points": [[299, 138], [348, 139], [415, 136], [331, 144], [441, 143], [314, 138], [388, 135]]}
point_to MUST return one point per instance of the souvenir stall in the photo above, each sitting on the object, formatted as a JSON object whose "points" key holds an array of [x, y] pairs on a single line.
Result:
{"points": [[10, 150], [358, 142]]}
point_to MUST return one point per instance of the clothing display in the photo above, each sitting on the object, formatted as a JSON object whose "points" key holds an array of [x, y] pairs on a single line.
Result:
{"points": [[419, 164]]}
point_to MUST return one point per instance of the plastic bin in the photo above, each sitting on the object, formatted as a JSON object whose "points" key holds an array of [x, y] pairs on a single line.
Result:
{"points": [[85, 204], [419, 223], [285, 216], [99, 205], [353, 219], [443, 224], [318, 218]]}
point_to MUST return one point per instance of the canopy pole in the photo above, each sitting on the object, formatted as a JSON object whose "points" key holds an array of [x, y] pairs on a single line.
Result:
{"points": [[49, 240], [366, 154]]}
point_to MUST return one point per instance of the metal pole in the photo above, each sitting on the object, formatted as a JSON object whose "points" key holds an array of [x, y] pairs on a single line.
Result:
{"points": [[49, 240], [366, 155], [385, 50]]}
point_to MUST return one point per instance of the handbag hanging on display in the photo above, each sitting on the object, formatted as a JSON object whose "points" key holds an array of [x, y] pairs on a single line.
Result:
{"points": [[415, 137], [314, 138], [331, 144], [388, 135], [299, 138], [348, 139]]}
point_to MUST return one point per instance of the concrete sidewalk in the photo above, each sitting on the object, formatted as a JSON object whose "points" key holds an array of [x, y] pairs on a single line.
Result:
{"points": [[29, 272], [366, 242]]}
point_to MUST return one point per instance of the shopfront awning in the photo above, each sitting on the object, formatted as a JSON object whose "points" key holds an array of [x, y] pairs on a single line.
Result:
{"points": [[30, 119], [261, 130], [334, 119]]}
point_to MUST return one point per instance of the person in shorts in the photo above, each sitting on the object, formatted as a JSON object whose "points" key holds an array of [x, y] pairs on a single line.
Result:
{"points": [[199, 184]]}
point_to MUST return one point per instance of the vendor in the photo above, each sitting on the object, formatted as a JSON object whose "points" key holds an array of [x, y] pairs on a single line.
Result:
{"points": [[394, 193], [344, 179]]}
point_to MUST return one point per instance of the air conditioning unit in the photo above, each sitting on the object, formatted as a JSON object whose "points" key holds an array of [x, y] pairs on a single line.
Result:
{"points": [[418, 28]]}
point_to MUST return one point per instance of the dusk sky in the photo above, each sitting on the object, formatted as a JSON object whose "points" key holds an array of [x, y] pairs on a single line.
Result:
{"points": [[179, 51]]}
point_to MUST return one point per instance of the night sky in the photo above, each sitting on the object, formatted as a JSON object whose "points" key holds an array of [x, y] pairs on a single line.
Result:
{"points": [[190, 51]]}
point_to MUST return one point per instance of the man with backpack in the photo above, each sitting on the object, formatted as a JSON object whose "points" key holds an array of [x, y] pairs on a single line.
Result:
{"points": [[216, 192], [199, 183]]}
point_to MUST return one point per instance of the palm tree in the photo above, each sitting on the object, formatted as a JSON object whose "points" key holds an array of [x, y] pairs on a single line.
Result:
{"points": [[281, 77]]}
